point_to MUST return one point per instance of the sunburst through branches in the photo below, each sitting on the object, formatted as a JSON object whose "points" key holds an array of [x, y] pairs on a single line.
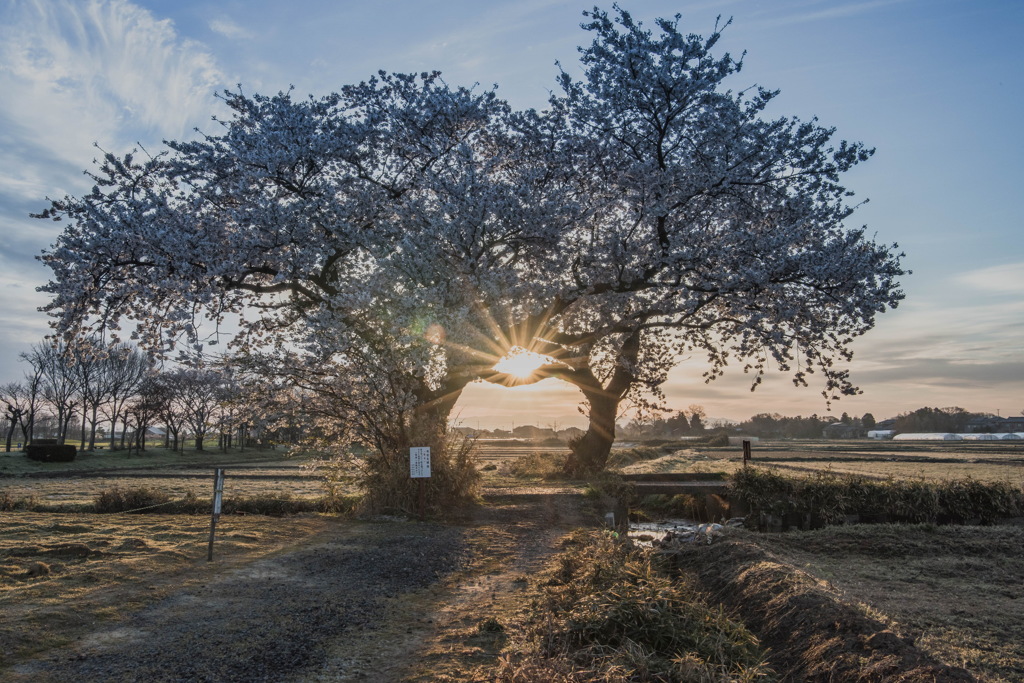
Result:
{"points": [[521, 363]]}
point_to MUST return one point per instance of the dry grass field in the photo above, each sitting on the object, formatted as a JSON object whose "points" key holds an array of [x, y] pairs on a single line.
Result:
{"points": [[239, 482], [506, 449], [64, 575], [15, 463], [955, 590], [987, 472]]}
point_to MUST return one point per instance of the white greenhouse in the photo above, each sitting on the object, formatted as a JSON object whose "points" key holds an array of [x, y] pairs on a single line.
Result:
{"points": [[979, 437], [937, 436], [1008, 436], [881, 433]]}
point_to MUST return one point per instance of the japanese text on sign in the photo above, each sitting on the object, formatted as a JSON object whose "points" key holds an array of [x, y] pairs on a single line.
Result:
{"points": [[419, 462]]}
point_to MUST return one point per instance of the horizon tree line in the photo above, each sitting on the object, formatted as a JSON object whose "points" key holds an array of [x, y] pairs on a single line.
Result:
{"points": [[116, 393]]}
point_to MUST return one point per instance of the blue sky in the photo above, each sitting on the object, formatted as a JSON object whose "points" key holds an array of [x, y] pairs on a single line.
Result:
{"points": [[934, 85]]}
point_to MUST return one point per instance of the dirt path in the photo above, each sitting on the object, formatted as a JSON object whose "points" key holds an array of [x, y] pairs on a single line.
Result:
{"points": [[374, 601]]}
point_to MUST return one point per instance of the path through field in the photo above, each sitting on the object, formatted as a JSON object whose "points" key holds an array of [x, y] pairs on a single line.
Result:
{"points": [[383, 600]]}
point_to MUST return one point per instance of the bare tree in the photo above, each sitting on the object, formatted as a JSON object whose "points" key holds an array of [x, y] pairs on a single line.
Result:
{"points": [[12, 397], [60, 383], [93, 387], [32, 394], [199, 393], [162, 390], [147, 406], [123, 370], [235, 412]]}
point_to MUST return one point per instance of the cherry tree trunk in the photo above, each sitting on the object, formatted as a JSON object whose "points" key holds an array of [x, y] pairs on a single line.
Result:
{"points": [[430, 420], [590, 453]]}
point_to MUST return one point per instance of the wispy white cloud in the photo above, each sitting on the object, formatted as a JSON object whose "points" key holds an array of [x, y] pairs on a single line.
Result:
{"points": [[468, 47], [816, 10], [75, 72], [229, 29], [23, 324], [100, 70], [1006, 278]]}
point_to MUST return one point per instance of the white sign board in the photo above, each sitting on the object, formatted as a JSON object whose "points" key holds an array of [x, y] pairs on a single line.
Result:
{"points": [[419, 462]]}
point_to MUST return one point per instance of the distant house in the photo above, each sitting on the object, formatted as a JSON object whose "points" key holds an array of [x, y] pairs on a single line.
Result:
{"points": [[1011, 424], [532, 433], [840, 430], [985, 424]]}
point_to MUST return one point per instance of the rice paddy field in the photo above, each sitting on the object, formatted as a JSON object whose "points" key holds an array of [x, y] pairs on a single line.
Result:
{"points": [[500, 450], [268, 472], [983, 461]]}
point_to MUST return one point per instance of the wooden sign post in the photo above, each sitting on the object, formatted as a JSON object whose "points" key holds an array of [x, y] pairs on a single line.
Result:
{"points": [[419, 468], [746, 453], [218, 494]]}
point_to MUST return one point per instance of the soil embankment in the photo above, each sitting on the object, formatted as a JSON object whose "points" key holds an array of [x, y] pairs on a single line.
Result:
{"points": [[810, 632]]}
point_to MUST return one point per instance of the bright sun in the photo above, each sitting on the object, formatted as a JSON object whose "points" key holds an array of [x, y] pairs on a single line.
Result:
{"points": [[521, 363]]}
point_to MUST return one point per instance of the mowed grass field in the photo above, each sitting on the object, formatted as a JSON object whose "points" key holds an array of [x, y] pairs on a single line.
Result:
{"points": [[240, 481], [250, 473], [15, 463]]}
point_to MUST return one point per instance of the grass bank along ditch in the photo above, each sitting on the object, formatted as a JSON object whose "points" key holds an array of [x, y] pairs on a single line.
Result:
{"points": [[810, 632], [605, 612], [776, 501], [879, 602]]}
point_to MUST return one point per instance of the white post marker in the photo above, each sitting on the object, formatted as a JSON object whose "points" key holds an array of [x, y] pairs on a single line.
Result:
{"points": [[218, 494], [419, 462]]}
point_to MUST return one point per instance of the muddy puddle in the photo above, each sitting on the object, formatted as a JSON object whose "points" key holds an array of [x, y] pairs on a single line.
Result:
{"points": [[677, 531], [646, 533]]}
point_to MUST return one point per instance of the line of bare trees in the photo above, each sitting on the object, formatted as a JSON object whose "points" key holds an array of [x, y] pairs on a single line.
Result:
{"points": [[114, 391]]}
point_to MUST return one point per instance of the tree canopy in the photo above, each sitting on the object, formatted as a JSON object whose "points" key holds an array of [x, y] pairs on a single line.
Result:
{"points": [[386, 244]]}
